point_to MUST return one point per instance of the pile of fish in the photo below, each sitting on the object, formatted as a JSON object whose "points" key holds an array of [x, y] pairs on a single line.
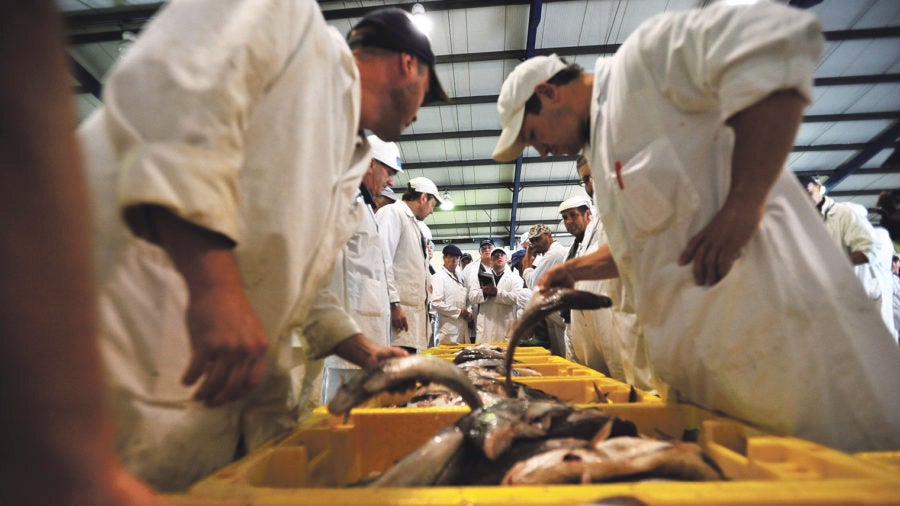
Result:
{"points": [[520, 436]]}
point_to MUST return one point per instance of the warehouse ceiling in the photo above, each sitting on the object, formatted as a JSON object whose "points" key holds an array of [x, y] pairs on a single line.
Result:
{"points": [[849, 132]]}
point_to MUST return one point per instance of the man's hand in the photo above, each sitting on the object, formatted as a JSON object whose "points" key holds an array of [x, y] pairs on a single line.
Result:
{"points": [[359, 350], [228, 346], [763, 137], [465, 314], [398, 318], [556, 277], [489, 291], [715, 248]]}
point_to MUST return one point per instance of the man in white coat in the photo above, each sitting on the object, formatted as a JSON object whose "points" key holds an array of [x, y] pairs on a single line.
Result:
{"points": [[608, 338], [213, 235], [356, 301], [448, 299], [687, 132], [545, 253], [497, 293], [849, 226], [406, 262]]}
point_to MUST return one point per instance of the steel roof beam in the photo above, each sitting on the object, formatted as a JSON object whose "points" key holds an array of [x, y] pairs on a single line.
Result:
{"points": [[476, 162], [813, 118]]}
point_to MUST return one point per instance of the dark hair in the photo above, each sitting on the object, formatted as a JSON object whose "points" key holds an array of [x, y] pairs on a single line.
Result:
{"points": [[412, 195], [564, 76]]}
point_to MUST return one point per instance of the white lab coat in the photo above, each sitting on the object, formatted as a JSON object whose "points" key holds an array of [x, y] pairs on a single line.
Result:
{"points": [[496, 314], [448, 299], [884, 253], [211, 115], [407, 271], [787, 340], [609, 340], [355, 302], [556, 327], [851, 231]]}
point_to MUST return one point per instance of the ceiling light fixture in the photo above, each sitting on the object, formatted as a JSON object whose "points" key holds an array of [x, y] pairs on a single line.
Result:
{"points": [[448, 204], [422, 22]]}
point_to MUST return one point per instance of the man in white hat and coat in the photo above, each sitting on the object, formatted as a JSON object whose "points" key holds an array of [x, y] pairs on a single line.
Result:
{"points": [[543, 253], [687, 132], [219, 170], [356, 301], [406, 261], [449, 300], [608, 340]]}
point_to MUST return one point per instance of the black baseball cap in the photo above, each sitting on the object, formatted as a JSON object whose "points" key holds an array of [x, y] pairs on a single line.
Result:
{"points": [[392, 28], [451, 251], [486, 242]]}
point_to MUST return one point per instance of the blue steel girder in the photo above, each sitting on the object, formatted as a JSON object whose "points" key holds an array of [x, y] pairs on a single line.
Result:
{"points": [[534, 19]]}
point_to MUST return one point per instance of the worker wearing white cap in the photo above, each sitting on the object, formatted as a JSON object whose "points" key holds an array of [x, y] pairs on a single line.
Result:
{"points": [[222, 177], [609, 340], [688, 130], [356, 301], [387, 196], [405, 253]]}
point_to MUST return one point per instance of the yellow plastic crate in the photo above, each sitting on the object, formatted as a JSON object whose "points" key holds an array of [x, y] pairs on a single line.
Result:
{"points": [[548, 365], [574, 390], [890, 460], [450, 349], [306, 466]]}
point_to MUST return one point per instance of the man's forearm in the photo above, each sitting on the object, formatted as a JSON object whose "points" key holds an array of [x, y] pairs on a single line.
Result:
{"points": [[204, 258], [764, 136], [597, 265]]}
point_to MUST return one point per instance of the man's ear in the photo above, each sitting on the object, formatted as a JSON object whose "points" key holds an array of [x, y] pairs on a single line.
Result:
{"points": [[547, 91], [409, 65]]}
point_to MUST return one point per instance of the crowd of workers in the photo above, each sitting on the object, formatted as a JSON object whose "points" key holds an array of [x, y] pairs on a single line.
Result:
{"points": [[233, 250]]}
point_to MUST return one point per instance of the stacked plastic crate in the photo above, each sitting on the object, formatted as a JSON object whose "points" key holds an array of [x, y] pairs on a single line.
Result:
{"points": [[314, 463]]}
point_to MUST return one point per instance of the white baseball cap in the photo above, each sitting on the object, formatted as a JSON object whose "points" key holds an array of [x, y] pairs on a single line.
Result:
{"points": [[389, 193], [575, 202], [386, 152], [517, 89], [425, 185]]}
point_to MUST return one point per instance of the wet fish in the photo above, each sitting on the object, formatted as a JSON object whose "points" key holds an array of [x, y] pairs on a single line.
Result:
{"points": [[615, 459], [476, 353], [494, 367], [433, 395], [545, 303], [495, 428], [397, 373], [437, 462]]}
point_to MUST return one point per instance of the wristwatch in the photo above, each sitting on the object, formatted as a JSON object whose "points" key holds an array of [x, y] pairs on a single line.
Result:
{"points": [[394, 304]]}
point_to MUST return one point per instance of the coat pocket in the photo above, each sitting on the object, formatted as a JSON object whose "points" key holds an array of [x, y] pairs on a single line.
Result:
{"points": [[657, 192]]}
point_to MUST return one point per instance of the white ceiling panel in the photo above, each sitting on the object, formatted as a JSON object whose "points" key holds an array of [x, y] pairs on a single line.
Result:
{"points": [[851, 131], [859, 57]]}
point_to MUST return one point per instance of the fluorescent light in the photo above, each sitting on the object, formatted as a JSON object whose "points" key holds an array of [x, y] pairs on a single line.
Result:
{"points": [[420, 19]]}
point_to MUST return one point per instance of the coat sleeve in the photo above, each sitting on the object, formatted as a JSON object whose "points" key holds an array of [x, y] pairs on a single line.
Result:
{"points": [[857, 233], [730, 57], [328, 322], [439, 297], [181, 98], [389, 229], [475, 295]]}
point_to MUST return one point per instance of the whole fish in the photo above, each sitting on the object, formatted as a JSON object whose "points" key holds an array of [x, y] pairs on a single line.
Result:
{"points": [[494, 367], [437, 462], [401, 373], [617, 458], [545, 303], [478, 354]]}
